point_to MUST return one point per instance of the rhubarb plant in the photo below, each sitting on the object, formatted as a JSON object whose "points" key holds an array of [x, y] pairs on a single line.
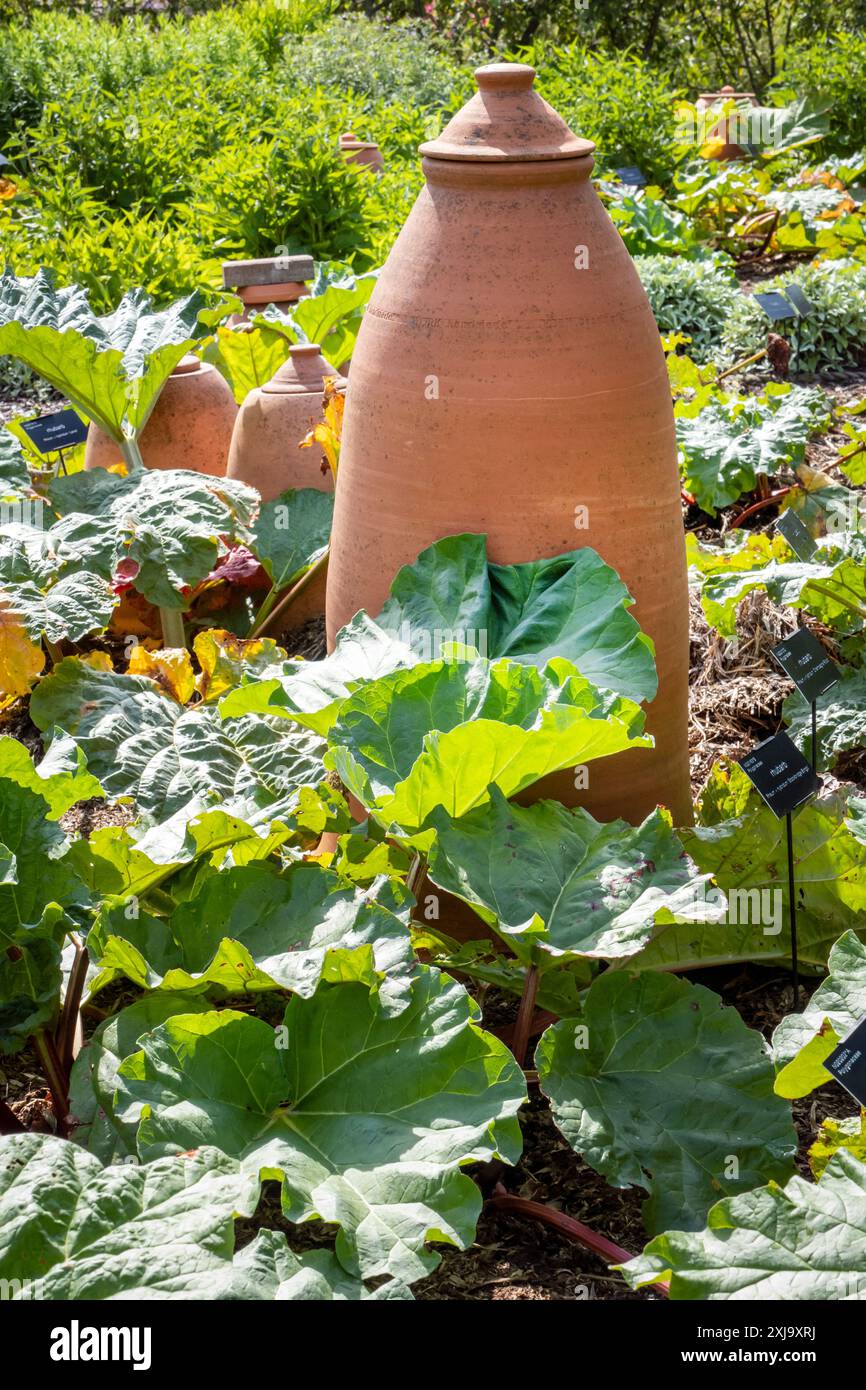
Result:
{"points": [[111, 367], [728, 444], [831, 585]]}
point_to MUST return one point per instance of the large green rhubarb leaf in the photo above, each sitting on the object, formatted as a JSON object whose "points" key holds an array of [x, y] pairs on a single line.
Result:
{"points": [[659, 1086], [366, 1118], [268, 1269], [805, 1241], [740, 841], [140, 742], [14, 472], [441, 734], [331, 314], [311, 692], [572, 606], [71, 1229], [726, 446], [832, 585], [841, 718], [36, 879], [249, 359], [292, 532], [255, 928], [558, 884], [803, 1042], [165, 527], [112, 367], [93, 1080], [61, 777], [75, 1230], [38, 600]]}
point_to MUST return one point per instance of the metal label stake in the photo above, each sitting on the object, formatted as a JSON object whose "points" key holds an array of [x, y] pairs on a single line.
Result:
{"points": [[780, 774]]}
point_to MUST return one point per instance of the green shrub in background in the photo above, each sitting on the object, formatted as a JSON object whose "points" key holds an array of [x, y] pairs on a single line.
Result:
{"points": [[285, 190], [387, 63], [615, 99], [692, 297], [148, 150], [833, 336], [835, 74]]}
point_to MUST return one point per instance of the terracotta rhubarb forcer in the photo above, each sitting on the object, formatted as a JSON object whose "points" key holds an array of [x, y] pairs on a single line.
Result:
{"points": [[272, 421], [189, 427], [279, 280], [365, 152], [266, 451], [725, 130], [475, 409]]}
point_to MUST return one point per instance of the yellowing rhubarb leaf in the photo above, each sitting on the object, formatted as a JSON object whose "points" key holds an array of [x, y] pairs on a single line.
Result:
{"points": [[170, 670], [20, 659], [221, 655], [329, 432]]}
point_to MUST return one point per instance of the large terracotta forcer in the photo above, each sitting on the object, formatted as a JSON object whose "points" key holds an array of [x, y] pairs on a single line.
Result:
{"points": [[508, 371], [272, 421], [189, 427]]}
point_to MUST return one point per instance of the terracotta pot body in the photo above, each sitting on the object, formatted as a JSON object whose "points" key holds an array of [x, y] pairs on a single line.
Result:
{"points": [[727, 129], [365, 152], [189, 427], [473, 411], [265, 450]]}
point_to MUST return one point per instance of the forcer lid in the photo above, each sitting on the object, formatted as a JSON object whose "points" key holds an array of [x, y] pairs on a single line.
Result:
{"points": [[188, 363], [507, 120], [302, 373]]}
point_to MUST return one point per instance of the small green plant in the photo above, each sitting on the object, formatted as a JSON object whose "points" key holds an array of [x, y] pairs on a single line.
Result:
{"points": [[832, 336], [691, 297]]}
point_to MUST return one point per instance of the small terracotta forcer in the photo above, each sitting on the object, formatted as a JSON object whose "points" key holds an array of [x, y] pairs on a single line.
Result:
{"points": [[364, 152], [279, 280], [543, 420], [728, 128], [265, 450], [189, 427]]}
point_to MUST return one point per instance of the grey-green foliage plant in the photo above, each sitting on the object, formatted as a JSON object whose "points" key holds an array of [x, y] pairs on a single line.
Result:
{"points": [[832, 336], [393, 63], [692, 297]]}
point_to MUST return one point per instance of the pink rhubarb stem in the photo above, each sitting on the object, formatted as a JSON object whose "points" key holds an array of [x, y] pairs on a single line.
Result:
{"points": [[584, 1235]]}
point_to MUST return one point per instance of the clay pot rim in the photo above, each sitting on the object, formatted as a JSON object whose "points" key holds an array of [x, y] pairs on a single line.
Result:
{"points": [[507, 173], [355, 143], [726, 94], [273, 294]]}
